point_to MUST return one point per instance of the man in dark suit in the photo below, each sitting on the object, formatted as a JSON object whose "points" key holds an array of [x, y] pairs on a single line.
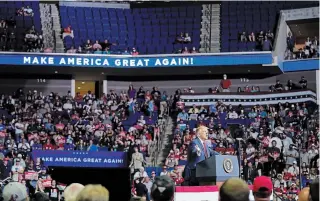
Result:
{"points": [[258, 166], [198, 151], [249, 173]]}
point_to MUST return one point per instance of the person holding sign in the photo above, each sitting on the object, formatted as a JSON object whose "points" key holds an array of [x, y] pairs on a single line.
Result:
{"points": [[198, 151]]}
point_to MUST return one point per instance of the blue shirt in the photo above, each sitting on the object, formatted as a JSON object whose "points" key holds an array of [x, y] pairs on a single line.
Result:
{"points": [[212, 108], [183, 116], [93, 148]]}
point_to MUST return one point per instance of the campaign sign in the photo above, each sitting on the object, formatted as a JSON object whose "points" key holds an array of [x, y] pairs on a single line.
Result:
{"points": [[128, 61], [81, 158]]}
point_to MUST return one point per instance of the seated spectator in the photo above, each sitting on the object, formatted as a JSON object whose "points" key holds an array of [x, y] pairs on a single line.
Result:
{"points": [[180, 38], [187, 38], [28, 11], [278, 86], [96, 46], [106, 44], [270, 36], [134, 52], [67, 32], [88, 47], [300, 54], [20, 11], [194, 51], [252, 37], [243, 37], [185, 51]]}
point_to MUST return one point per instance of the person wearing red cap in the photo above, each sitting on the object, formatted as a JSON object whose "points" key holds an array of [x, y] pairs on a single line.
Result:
{"points": [[262, 188]]}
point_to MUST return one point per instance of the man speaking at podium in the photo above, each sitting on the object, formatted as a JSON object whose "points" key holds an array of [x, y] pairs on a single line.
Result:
{"points": [[198, 151]]}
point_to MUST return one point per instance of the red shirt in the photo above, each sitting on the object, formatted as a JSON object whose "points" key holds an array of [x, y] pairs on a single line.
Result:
{"points": [[225, 84], [178, 181]]}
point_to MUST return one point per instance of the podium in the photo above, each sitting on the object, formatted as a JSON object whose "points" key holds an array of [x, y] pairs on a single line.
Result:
{"points": [[217, 169]]}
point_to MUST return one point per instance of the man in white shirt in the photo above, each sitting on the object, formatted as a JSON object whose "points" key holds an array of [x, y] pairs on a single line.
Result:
{"points": [[294, 169], [140, 174], [164, 171], [312, 152], [233, 115], [17, 170]]}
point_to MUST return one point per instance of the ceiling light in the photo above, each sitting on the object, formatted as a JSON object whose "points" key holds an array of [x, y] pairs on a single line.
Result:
{"points": [[79, 87], [82, 82], [55, 72]]}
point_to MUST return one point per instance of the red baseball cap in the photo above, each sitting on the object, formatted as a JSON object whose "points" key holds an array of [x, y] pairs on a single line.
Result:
{"points": [[262, 182]]}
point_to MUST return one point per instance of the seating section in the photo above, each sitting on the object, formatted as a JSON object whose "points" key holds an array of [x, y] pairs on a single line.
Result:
{"points": [[23, 23], [237, 17], [150, 30]]}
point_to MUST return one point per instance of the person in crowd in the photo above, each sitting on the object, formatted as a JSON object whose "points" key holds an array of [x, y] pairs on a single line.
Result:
{"points": [[225, 84], [93, 192], [314, 191], [234, 189], [71, 192], [262, 188], [163, 189], [137, 160], [198, 151], [16, 191]]}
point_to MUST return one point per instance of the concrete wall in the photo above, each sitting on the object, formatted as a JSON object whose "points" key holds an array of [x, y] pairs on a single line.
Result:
{"points": [[8, 86], [204, 85]]}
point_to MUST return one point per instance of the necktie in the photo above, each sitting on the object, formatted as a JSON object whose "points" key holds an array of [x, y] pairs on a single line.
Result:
{"points": [[205, 150]]}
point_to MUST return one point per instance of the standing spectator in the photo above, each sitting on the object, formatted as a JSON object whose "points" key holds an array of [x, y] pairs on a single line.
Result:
{"points": [[137, 160], [291, 155], [266, 46], [249, 173], [290, 42], [262, 188], [148, 183], [240, 190], [225, 84]]}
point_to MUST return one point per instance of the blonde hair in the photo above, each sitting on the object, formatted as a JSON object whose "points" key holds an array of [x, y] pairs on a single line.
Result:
{"points": [[93, 193], [201, 129], [70, 193]]}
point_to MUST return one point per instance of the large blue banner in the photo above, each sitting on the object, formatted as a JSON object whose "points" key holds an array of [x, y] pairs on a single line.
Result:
{"points": [[81, 158], [128, 61], [301, 65]]}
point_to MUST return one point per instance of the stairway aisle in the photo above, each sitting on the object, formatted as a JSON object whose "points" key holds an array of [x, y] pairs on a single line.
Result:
{"points": [[46, 23], [57, 28], [210, 28], [166, 144]]}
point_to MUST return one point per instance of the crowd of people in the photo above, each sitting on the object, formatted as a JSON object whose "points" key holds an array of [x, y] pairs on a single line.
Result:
{"points": [[275, 141], [310, 48], [30, 120], [32, 41], [264, 41]]}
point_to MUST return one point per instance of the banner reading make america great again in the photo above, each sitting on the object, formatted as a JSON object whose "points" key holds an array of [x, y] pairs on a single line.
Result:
{"points": [[141, 61], [101, 159]]}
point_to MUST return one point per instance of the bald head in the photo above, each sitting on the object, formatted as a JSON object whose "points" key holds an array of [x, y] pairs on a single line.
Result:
{"points": [[234, 189], [71, 192], [304, 194]]}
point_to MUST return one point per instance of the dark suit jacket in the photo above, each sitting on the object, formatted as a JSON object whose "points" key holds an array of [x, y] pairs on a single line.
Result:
{"points": [[252, 175], [193, 158]]}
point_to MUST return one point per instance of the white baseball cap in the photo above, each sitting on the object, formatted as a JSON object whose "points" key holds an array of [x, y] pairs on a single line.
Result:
{"points": [[15, 191]]}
